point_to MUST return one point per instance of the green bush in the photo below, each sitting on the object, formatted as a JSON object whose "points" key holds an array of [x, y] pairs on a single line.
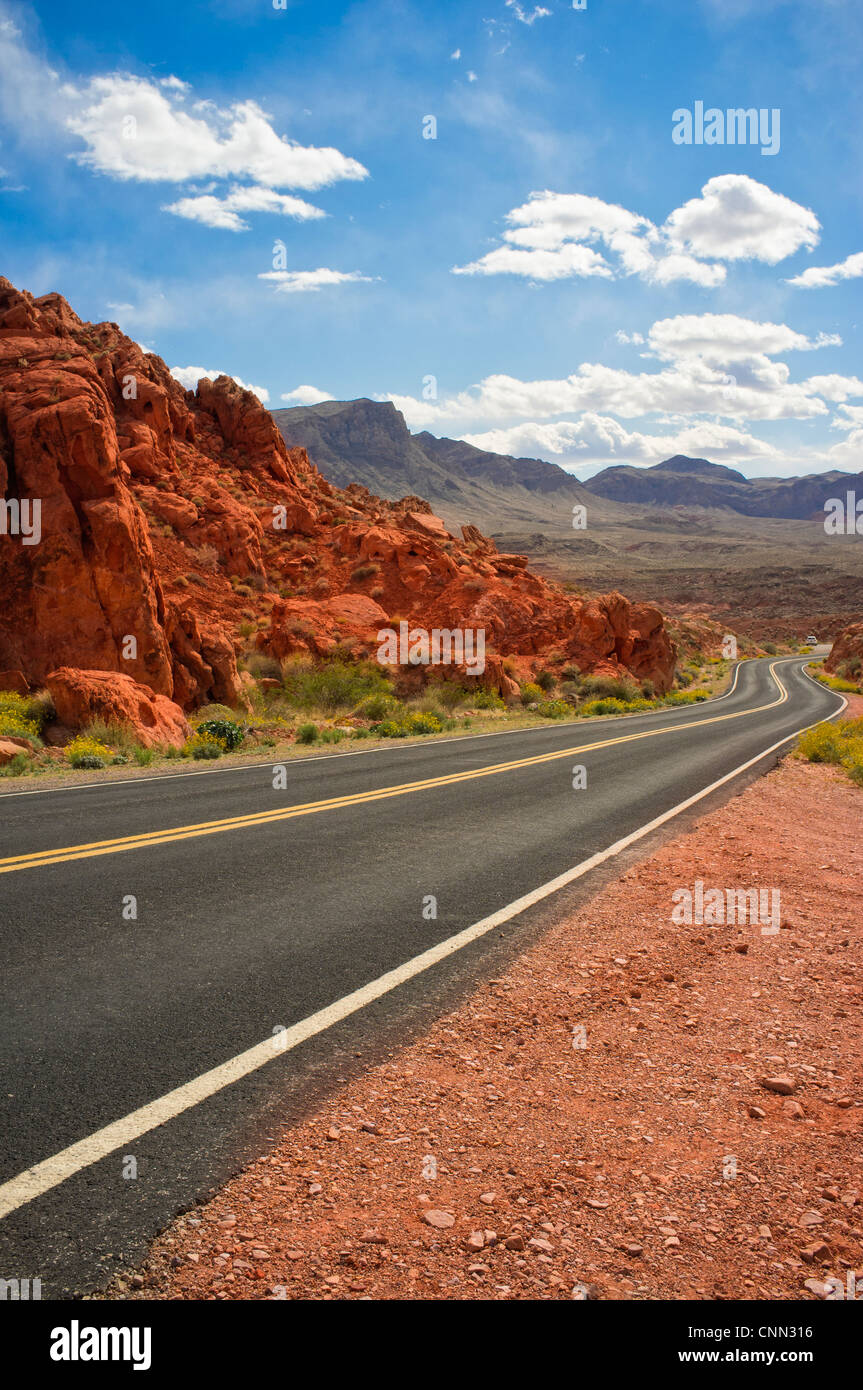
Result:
{"points": [[531, 693], [307, 733], [333, 686], [685, 697], [332, 735], [15, 766], [555, 709], [205, 752], [546, 681], [591, 708], [226, 731], [409, 724], [609, 687], [144, 756], [487, 699], [376, 707], [89, 761]]}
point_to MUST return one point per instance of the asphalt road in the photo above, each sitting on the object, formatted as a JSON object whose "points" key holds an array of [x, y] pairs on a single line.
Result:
{"points": [[259, 906]]}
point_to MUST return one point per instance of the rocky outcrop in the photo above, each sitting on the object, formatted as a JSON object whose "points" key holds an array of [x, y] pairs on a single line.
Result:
{"points": [[846, 654], [179, 529], [82, 696]]}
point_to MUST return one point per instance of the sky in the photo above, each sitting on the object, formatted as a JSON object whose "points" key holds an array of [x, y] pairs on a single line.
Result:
{"points": [[498, 215]]}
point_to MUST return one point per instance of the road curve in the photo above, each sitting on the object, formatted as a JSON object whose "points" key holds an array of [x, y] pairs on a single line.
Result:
{"points": [[284, 935]]}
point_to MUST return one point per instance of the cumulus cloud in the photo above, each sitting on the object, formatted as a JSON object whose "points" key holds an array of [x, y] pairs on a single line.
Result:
{"points": [[599, 439], [819, 276], [737, 218], [553, 235], [302, 281], [709, 364], [224, 212], [306, 395], [190, 376], [133, 129]]}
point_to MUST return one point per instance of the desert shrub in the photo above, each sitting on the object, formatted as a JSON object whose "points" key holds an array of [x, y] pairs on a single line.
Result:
{"points": [[487, 699], [531, 693], [648, 690], [307, 733], [823, 744], [685, 697], [546, 681], [333, 686], [16, 716], [362, 733], [15, 766], [144, 756], [408, 724], [609, 705], [214, 712], [115, 734], [203, 744], [376, 707], [570, 673], [263, 667], [87, 752], [364, 572], [770, 648], [837, 683], [555, 709], [449, 695], [224, 731], [608, 687], [332, 735]]}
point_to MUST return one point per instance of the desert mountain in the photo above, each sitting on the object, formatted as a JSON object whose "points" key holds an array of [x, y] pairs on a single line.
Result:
{"points": [[177, 530], [368, 442], [682, 481]]}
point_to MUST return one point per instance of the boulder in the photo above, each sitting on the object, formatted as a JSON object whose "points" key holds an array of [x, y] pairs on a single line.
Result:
{"points": [[82, 696]]}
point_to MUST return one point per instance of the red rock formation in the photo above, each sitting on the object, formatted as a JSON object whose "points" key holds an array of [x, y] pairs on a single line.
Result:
{"points": [[847, 650], [172, 522], [82, 696]]}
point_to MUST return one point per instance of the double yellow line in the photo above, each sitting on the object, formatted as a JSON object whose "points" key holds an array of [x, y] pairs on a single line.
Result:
{"points": [[151, 839]]}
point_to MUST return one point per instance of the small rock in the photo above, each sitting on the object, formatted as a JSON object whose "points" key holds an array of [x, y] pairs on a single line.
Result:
{"points": [[515, 1242], [441, 1220], [782, 1085], [820, 1250], [373, 1238], [475, 1241], [333, 1133], [755, 1112], [815, 1286], [487, 1197], [811, 1218]]}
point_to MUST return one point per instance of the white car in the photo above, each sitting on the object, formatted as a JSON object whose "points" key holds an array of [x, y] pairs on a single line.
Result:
{"points": [[811, 641]]}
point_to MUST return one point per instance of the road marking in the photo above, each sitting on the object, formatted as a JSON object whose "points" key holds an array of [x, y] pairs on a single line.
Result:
{"points": [[150, 839], [44, 1176]]}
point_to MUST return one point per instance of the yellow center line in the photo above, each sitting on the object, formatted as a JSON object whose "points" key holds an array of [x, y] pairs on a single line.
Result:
{"points": [[149, 839]]}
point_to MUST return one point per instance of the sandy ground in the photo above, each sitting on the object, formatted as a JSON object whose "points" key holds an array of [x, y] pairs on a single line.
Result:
{"points": [[597, 1119]]}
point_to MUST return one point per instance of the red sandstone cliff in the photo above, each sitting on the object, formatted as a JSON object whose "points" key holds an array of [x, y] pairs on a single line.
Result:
{"points": [[175, 519]]}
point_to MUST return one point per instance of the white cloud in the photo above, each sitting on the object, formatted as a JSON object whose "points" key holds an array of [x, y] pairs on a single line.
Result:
{"points": [[737, 218], [190, 376], [711, 364], [300, 281], [224, 212], [456, 54], [626, 338], [596, 438], [728, 338], [135, 130], [734, 218], [819, 276], [471, 77], [306, 395], [525, 16]]}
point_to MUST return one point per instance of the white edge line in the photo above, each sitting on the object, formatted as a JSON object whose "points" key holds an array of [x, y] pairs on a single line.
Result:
{"points": [[367, 752], [35, 1181]]}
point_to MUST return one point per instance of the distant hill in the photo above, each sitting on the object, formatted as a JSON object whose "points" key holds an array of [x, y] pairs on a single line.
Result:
{"points": [[368, 442], [688, 482]]}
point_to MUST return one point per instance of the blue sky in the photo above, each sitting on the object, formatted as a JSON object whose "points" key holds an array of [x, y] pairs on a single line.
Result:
{"points": [[248, 188]]}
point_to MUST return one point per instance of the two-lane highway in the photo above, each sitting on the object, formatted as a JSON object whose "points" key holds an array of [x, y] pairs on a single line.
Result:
{"points": [[182, 955]]}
